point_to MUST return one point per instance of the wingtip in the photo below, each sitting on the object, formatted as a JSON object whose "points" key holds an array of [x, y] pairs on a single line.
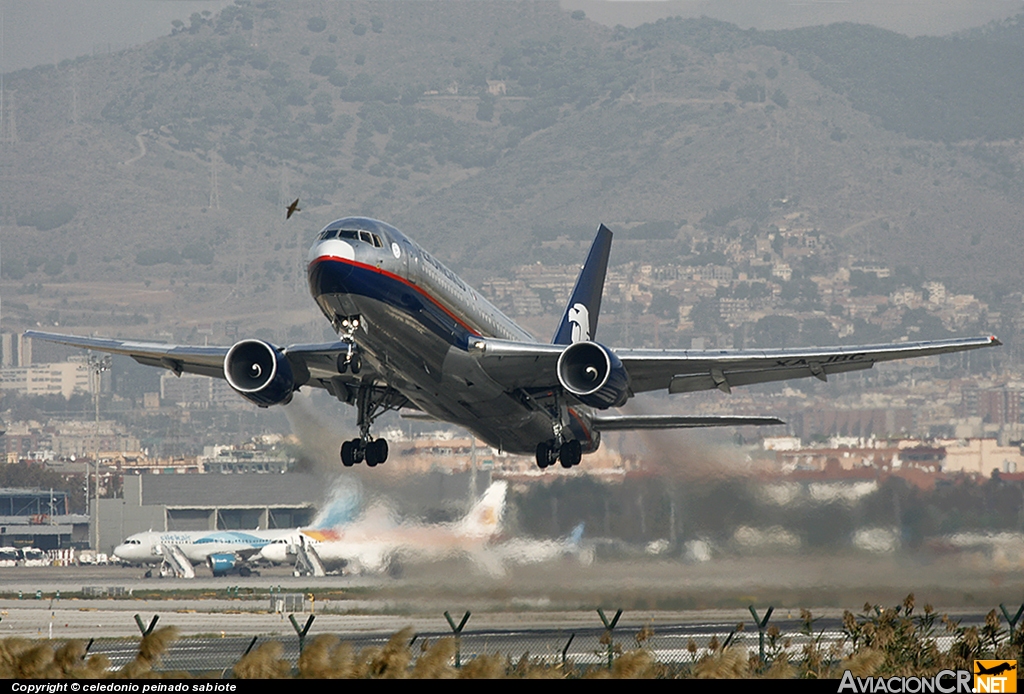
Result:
{"points": [[994, 341]]}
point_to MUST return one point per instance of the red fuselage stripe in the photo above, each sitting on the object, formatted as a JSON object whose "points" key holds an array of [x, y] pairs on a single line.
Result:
{"points": [[580, 421], [404, 281]]}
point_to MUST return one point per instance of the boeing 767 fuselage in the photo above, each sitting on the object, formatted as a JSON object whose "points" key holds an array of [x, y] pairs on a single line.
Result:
{"points": [[413, 335]]}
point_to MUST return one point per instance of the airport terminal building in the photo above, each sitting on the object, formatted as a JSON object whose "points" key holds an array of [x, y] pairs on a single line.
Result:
{"points": [[263, 501], [207, 502], [40, 518]]}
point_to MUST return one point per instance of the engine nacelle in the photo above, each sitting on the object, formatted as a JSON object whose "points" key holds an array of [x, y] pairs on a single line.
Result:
{"points": [[594, 375], [221, 563], [259, 373]]}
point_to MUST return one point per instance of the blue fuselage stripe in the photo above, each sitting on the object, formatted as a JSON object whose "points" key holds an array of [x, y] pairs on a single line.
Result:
{"points": [[335, 276]]}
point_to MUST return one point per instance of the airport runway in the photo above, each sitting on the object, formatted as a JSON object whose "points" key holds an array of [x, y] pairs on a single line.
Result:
{"points": [[557, 595]]}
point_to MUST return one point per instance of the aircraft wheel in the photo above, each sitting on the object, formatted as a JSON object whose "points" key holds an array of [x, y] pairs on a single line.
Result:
{"points": [[347, 458], [381, 446], [342, 363], [356, 364], [542, 455], [245, 572], [547, 454], [571, 453], [370, 452]]}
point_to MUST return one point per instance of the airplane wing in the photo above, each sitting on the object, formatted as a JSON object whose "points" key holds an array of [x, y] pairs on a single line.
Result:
{"points": [[312, 364], [208, 361], [722, 369], [533, 366], [671, 421], [244, 554]]}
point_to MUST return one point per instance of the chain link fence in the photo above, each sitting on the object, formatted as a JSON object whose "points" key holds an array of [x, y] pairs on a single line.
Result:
{"points": [[676, 649]]}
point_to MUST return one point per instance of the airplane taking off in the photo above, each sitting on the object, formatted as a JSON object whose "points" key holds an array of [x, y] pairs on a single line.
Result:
{"points": [[414, 335]]}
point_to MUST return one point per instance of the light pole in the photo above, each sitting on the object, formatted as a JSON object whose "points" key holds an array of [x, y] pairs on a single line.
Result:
{"points": [[97, 365]]}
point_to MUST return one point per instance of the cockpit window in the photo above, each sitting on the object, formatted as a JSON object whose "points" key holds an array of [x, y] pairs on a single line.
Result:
{"points": [[352, 235]]}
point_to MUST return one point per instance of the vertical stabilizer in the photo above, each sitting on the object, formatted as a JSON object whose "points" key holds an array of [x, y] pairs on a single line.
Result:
{"points": [[484, 519], [579, 322]]}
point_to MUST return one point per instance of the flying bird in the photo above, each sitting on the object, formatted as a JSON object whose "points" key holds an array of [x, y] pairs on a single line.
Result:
{"points": [[293, 208]]}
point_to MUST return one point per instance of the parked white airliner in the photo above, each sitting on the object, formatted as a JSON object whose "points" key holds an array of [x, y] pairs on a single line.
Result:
{"points": [[221, 550], [414, 335]]}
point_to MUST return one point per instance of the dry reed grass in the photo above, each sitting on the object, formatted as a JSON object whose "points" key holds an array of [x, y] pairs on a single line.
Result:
{"points": [[263, 663], [21, 658], [881, 642]]}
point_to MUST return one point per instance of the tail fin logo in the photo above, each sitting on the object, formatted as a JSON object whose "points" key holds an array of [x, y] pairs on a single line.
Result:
{"points": [[579, 321], [488, 518], [579, 317]]}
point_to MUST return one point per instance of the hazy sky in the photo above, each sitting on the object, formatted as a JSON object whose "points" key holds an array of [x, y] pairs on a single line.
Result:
{"points": [[911, 17], [48, 31]]}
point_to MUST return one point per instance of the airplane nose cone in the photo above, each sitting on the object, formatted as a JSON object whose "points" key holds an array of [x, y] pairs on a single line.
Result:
{"points": [[269, 555], [332, 248], [328, 269]]}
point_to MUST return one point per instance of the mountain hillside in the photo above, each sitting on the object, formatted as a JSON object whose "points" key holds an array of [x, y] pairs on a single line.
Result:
{"points": [[488, 131]]}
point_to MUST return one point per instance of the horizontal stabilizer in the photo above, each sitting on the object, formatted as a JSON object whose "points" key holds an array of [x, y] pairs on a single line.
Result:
{"points": [[671, 421], [417, 416]]}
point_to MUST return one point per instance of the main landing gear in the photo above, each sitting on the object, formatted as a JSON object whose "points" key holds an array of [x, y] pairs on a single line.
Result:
{"points": [[569, 453], [371, 402], [560, 448], [356, 451]]}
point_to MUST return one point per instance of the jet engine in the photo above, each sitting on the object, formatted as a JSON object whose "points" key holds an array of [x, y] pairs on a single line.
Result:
{"points": [[259, 372], [220, 564], [594, 375]]}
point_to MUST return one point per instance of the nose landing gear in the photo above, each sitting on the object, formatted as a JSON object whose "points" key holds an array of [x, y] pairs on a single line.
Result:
{"points": [[349, 360]]}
